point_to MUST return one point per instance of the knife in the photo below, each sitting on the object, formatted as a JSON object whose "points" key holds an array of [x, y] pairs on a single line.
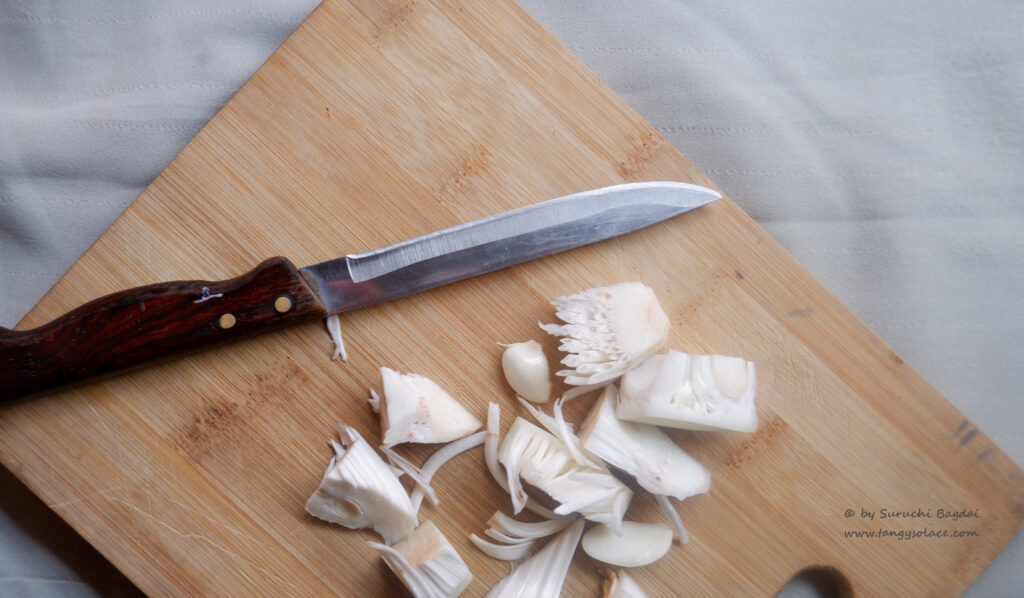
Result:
{"points": [[149, 323]]}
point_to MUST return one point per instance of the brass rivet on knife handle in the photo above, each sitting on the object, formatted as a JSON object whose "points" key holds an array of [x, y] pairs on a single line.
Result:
{"points": [[282, 304], [150, 323]]}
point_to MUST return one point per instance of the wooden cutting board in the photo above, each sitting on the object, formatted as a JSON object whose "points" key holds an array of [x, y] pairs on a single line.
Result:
{"points": [[378, 121]]}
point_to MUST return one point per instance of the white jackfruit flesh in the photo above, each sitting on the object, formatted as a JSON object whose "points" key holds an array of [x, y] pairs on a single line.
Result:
{"points": [[542, 575], [607, 331], [542, 460], [427, 563], [359, 490], [694, 392], [414, 408], [641, 450]]}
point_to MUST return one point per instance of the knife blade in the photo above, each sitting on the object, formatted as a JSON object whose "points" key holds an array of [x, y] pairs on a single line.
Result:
{"points": [[138, 326]]}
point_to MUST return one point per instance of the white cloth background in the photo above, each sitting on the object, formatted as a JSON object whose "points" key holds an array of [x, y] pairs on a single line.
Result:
{"points": [[881, 142]]}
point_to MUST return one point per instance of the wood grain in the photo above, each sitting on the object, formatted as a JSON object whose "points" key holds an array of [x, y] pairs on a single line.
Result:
{"points": [[379, 121]]}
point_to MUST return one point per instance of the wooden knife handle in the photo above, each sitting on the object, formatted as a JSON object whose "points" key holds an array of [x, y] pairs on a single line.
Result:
{"points": [[148, 323]]}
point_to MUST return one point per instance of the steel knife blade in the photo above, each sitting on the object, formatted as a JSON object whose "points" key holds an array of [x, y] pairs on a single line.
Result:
{"points": [[149, 323]]}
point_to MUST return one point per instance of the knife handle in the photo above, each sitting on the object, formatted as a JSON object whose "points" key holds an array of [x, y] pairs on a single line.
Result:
{"points": [[148, 323]]}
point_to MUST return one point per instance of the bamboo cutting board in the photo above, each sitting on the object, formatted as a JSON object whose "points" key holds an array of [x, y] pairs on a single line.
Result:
{"points": [[378, 121]]}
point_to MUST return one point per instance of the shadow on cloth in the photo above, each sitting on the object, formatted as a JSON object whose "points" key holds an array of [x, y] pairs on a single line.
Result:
{"points": [[43, 537]]}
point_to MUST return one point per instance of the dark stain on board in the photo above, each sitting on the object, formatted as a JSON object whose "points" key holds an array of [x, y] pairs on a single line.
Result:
{"points": [[767, 435], [641, 152], [211, 423], [219, 422], [968, 436], [393, 20], [466, 166]]}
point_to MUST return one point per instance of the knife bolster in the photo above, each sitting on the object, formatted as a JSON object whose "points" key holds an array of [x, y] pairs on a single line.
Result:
{"points": [[153, 322]]}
